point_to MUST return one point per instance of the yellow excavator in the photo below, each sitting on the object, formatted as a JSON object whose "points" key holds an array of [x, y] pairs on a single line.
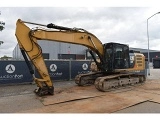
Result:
{"points": [[116, 65]]}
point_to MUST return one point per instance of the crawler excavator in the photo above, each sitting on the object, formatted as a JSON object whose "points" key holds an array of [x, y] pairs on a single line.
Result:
{"points": [[115, 68]]}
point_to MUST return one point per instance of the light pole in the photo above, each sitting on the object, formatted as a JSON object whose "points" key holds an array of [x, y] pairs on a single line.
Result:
{"points": [[148, 42]]}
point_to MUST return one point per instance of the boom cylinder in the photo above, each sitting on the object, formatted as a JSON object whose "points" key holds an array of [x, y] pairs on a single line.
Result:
{"points": [[27, 62], [58, 27]]}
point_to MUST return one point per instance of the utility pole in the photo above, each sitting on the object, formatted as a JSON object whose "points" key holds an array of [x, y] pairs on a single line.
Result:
{"points": [[148, 42]]}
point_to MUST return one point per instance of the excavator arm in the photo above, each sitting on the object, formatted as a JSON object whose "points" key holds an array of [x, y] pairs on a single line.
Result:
{"points": [[27, 39]]}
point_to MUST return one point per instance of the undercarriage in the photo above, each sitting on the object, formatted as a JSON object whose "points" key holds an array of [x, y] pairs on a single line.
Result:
{"points": [[108, 82]]}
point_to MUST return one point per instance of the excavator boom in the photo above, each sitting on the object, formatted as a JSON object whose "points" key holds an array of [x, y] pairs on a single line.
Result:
{"points": [[27, 40]]}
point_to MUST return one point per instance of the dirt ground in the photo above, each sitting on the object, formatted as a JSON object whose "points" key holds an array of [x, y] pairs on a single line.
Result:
{"points": [[70, 98]]}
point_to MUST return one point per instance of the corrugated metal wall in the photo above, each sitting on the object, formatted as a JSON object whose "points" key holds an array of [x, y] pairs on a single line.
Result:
{"points": [[54, 48], [17, 53]]}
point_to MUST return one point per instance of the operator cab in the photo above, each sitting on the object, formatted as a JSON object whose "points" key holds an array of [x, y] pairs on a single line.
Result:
{"points": [[116, 56]]}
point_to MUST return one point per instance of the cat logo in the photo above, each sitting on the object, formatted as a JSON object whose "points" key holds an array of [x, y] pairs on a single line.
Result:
{"points": [[10, 68], [53, 67], [85, 66]]}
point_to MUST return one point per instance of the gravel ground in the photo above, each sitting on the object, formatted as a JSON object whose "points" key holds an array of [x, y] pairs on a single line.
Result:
{"points": [[146, 107], [154, 74], [16, 98], [21, 89]]}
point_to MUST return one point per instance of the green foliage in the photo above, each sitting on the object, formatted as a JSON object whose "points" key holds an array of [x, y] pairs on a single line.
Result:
{"points": [[2, 24], [5, 57], [1, 27]]}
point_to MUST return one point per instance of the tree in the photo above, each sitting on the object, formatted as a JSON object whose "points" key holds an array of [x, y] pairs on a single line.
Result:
{"points": [[5, 57], [2, 24]]}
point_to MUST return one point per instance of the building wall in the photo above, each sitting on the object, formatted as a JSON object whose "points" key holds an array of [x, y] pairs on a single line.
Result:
{"points": [[151, 55], [17, 53], [54, 49]]}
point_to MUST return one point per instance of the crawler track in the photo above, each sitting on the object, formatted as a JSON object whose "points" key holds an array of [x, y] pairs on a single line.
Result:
{"points": [[87, 79], [113, 82], [105, 82]]}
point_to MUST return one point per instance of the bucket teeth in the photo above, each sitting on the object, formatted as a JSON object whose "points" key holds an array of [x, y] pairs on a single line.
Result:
{"points": [[44, 91]]}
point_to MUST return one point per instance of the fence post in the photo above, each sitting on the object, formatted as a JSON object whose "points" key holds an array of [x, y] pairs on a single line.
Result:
{"points": [[70, 69]]}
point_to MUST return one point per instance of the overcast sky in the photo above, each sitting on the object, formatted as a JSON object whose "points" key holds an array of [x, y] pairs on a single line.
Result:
{"points": [[127, 25]]}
